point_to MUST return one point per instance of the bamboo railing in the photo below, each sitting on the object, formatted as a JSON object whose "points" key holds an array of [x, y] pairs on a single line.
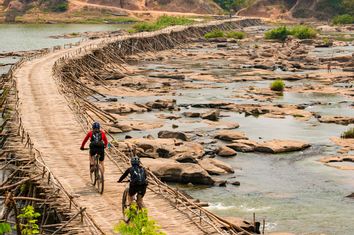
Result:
{"points": [[89, 59], [43, 172]]}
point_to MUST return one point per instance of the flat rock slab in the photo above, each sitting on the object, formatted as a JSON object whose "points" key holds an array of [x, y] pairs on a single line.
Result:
{"points": [[271, 146], [172, 171], [337, 120], [346, 144], [243, 145], [331, 159], [230, 135], [281, 146]]}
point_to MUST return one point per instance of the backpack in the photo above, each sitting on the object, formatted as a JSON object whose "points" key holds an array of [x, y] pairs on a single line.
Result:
{"points": [[137, 175], [96, 140]]}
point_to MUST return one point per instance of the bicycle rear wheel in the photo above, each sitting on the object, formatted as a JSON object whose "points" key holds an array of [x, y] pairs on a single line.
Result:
{"points": [[100, 180], [125, 203]]}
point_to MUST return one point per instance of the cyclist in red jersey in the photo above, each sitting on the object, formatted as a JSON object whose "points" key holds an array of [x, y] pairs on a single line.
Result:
{"points": [[98, 141]]}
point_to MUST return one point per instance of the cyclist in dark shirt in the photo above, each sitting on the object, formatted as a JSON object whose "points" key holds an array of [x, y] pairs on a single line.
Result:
{"points": [[138, 181]]}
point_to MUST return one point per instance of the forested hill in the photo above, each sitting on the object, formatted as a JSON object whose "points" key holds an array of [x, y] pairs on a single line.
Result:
{"points": [[320, 9]]}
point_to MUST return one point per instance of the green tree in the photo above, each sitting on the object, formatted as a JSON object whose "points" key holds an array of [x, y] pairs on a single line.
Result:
{"points": [[233, 5], [348, 6]]}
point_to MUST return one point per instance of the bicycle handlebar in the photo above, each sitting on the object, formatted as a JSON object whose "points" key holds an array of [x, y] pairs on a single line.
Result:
{"points": [[124, 181]]}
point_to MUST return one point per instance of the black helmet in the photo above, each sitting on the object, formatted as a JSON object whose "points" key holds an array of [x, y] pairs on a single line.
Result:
{"points": [[135, 161], [96, 125]]}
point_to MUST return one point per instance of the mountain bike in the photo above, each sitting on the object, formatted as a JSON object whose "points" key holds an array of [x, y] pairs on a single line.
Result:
{"points": [[125, 203], [96, 174]]}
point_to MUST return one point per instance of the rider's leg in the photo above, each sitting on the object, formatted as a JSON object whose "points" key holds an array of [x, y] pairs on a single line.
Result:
{"points": [[130, 199], [91, 158], [141, 193], [101, 153], [102, 166], [140, 201]]}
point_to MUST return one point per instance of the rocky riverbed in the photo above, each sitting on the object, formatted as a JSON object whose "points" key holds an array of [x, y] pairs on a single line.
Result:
{"points": [[204, 114]]}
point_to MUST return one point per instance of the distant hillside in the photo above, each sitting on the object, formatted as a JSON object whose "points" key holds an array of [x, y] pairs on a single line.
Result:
{"points": [[98, 11], [193, 6], [320, 9]]}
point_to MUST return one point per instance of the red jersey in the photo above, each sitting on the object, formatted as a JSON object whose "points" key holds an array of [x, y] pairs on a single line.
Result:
{"points": [[89, 136]]}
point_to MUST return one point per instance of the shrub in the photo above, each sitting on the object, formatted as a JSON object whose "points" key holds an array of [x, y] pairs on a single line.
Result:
{"points": [[327, 42], [280, 33], [5, 228], [229, 34], [235, 34], [343, 19], [349, 134], [139, 223], [60, 7], [277, 85], [303, 32], [161, 22], [214, 34], [29, 217]]}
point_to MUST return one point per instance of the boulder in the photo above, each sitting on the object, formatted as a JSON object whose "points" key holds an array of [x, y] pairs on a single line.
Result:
{"points": [[281, 146], [173, 146], [162, 104], [230, 135], [215, 167], [172, 135], [241, 223], [212, 115], [224, 151], [172, 171], [185, 158], [236, 183], [118, 108]]}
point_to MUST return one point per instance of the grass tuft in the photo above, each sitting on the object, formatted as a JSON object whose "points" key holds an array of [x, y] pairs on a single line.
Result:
{"points": [[277, 85], [348, 134], [226, 34], [161, 22]]}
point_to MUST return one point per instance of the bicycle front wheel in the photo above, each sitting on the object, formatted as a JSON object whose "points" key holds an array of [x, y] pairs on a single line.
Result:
{"points": [[125, 203], [100, 180], [93, 174]]}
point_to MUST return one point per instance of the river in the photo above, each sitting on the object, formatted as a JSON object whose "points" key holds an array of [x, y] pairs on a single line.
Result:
{"points": [[292, 192], [26, 37]]}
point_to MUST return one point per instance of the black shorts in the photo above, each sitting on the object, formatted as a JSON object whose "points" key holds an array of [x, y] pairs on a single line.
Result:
{"points": [[99, 151], [137, 189]]}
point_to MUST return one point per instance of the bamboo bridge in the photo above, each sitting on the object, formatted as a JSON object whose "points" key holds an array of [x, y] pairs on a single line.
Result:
{"points": [[46, 112]]}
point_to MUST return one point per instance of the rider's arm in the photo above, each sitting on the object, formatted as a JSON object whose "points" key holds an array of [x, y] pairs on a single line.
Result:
{"points": [[124, 175], [104, 138], [86, 139]]}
